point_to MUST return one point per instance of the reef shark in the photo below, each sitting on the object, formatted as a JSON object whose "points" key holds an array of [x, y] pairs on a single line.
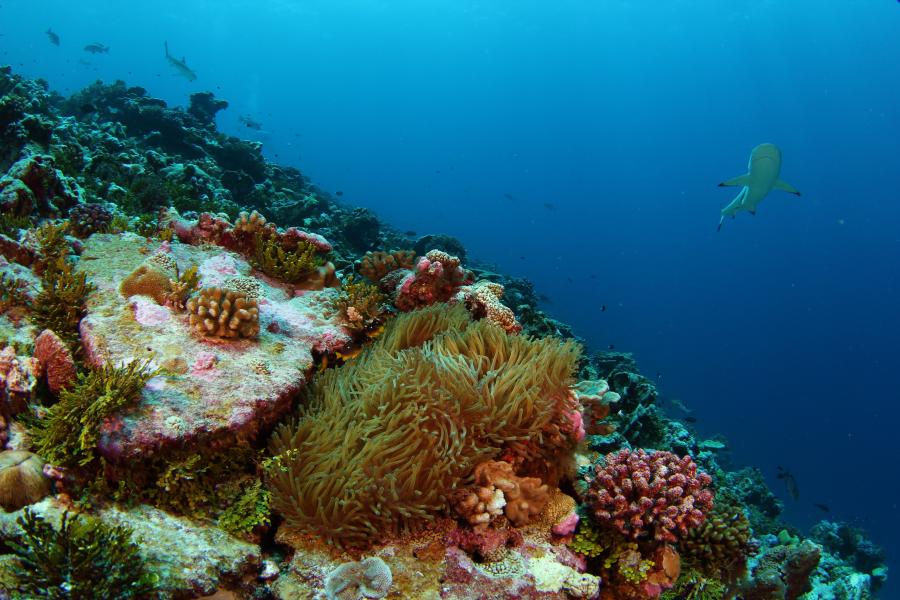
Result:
{"points": [[757, 182], [180, 65]]}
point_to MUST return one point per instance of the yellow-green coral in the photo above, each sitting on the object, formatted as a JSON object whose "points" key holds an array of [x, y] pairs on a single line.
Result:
{"points": [[590, 541], [719, 547], [626, 559], [360, 304], [291, 266], [67, 435]]}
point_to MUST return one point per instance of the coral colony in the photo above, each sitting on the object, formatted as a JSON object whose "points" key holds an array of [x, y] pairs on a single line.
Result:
{"points": [[216, 378]]}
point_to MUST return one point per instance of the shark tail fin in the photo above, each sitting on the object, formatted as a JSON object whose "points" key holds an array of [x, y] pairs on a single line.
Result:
{"points": [[739, 180], [784, 186]]}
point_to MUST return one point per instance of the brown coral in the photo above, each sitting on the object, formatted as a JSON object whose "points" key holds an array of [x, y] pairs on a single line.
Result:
{"points": [[149, 279], [55, 361], [224, 313], [22, 480], [375, 265]]}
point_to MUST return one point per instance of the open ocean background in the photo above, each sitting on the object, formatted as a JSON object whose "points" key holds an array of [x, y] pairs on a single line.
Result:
{"points": [[565, 139]]}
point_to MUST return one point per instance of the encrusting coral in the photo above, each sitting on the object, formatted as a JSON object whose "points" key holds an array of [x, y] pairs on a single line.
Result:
{"points": [[216, 312], [81, 558], [22, 480], [384, 439]]}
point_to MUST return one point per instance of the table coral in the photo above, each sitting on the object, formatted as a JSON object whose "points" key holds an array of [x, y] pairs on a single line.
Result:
{"points": [[649, 495]]}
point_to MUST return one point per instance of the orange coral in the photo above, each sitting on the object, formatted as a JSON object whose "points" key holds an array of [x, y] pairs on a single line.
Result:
{"points": [[147, 280], [525, 497]]}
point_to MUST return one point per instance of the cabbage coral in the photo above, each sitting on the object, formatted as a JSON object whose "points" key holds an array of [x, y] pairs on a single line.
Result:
{"points": [[385, 439]]}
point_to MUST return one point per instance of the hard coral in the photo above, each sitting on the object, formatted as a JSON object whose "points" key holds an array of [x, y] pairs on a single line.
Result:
{"points": [[720, 546], [17, 381], [483, 300], [360, 304], [375, 265], [224, 313], [22, 480], [649, 495], [55, 361], [524, 497], [369, 578], [149, 279], [86, 219], [436, 277], [290, 266]]}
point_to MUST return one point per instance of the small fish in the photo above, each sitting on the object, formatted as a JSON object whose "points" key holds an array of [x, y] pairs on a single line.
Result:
{"points": [[822, 507], [250, 122], [180, 65], [521, 258], [509, 196], [602, 308], [410, 233], [611, 347], [789, 482], [549, 206], [690, 419], [593, 276], [339, 193], [54, 38], [97, 48]]}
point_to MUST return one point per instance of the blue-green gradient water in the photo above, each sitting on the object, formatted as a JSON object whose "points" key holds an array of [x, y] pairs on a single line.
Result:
{"points": [[579, 143]]}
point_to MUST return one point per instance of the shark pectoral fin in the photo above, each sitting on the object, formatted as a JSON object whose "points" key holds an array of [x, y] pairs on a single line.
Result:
{"points": [[740, 180], [721, 220], [784, 186]]}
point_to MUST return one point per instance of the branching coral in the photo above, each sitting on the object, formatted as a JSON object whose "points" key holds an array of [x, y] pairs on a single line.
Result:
{"points": [[291, 266], [182, 287], [521, 498], [361, 304], [385, 438], [67, 435], [649, 495], [375, 265], [720, 546], [224, 313], [82, 558]]}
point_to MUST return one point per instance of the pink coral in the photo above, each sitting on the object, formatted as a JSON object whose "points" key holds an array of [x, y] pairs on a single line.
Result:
{"points": [[650, 495], [436, 277], [17, 381], [55, 360]]}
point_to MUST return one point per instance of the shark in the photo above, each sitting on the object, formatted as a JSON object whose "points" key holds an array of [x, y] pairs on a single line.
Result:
{"points": [[180, 65], [760, 179]]}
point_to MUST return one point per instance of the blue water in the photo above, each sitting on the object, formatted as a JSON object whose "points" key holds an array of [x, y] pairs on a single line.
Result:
{"points": [[781, 330]]}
